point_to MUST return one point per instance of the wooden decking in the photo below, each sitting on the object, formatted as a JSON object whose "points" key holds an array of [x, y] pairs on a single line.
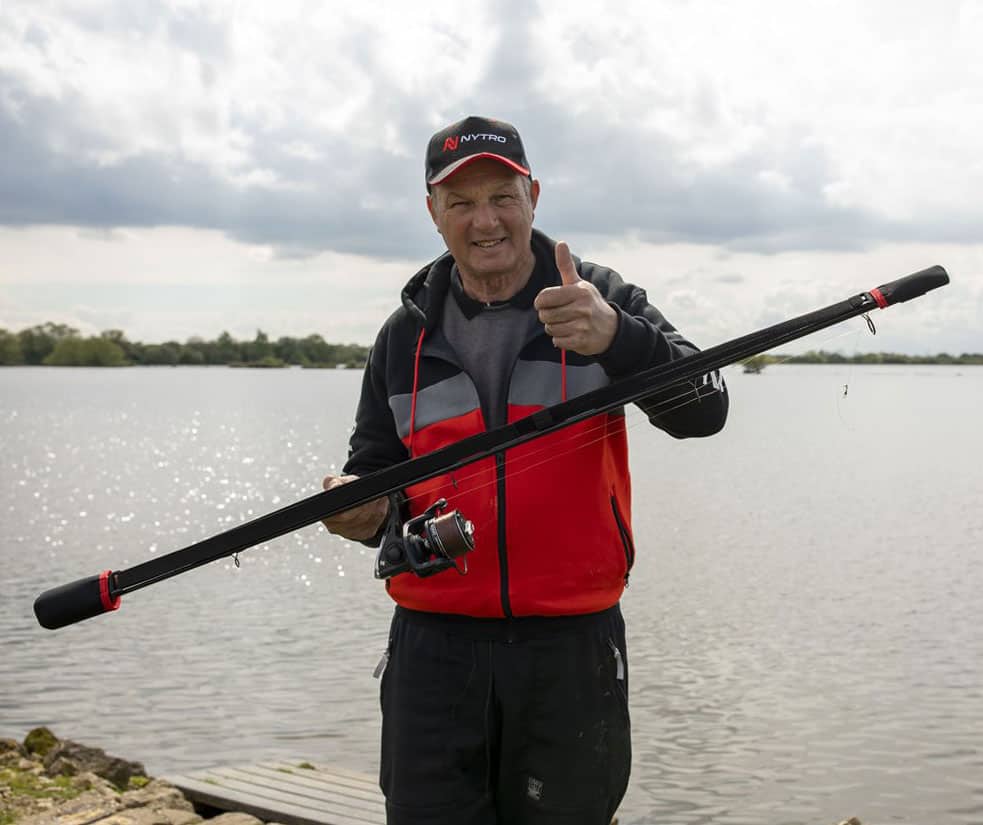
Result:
{"points": [[294, 793]]}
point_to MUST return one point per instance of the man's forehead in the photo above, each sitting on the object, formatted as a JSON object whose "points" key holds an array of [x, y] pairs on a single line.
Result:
{"points": [[481, 173]]}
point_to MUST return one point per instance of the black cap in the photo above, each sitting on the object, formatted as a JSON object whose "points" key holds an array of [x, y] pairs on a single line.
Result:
{"points": [[468, 140]]}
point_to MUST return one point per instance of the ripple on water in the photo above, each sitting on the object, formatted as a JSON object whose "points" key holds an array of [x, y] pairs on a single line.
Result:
{"points": [[792, 659]]}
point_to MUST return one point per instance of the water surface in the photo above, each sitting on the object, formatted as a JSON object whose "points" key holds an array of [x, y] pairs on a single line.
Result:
{"points": [[804, 617]]}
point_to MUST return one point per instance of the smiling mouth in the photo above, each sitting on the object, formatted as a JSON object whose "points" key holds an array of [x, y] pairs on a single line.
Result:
{"points": [[488, 244]]}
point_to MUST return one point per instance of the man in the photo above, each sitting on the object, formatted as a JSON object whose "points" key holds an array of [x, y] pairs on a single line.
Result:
{"points": [[504, 691]]}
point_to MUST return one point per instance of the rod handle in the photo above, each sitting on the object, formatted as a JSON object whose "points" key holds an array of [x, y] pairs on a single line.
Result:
{"points": [[75, 601], [911, 286]]}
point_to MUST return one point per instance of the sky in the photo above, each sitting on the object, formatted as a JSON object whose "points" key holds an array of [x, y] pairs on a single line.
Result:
{"points": [[175, 168]]}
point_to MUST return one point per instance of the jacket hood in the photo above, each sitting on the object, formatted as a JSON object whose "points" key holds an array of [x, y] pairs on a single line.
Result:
{"points": [[424, 293]]}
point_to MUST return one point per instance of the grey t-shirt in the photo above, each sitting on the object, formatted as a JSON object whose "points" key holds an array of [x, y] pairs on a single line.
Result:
{"points": [[487, 339]]}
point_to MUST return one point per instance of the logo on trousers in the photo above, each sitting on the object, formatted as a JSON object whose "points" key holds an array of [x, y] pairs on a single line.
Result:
{"points": [[534, 788]]}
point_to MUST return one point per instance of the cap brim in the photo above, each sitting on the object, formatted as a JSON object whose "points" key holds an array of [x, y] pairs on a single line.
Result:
{"points": [[458, 165]]}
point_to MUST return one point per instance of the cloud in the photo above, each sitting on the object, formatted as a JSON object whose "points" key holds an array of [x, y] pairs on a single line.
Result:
{"points": [[307, 133], [173, 163]]}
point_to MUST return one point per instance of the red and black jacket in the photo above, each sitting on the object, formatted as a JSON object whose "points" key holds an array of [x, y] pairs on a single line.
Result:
{"points": [[553, 516]]}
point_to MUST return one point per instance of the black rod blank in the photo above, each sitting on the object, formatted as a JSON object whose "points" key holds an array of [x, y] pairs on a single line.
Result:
{"points": [[91, 596]]}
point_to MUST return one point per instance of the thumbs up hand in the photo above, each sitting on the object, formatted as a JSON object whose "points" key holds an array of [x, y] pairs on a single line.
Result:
{"points": [[575, 315]]}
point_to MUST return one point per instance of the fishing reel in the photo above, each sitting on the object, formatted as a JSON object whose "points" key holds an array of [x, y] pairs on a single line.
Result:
{"points": [[426, 544]]}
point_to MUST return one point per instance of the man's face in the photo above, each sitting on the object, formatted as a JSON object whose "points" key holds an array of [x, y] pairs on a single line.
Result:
{"points": [[484, 213]]}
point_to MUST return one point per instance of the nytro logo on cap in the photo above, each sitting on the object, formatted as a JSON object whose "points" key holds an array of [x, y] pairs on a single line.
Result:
{"points": [[451, 144], [468, 140]]}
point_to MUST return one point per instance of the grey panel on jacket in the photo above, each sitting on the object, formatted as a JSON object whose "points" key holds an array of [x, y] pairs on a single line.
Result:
{"points": [[446, 399], [541, 383]]}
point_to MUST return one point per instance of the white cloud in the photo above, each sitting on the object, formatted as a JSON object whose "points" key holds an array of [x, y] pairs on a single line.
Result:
{"points": [[714, 295], [758, 158]]}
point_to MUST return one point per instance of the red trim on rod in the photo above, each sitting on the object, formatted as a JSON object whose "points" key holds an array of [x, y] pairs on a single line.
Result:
{"points": [[108, 603], [878, 296]]}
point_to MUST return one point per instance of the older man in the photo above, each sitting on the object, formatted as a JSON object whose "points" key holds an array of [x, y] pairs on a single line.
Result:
{"points": [[505, 690]]}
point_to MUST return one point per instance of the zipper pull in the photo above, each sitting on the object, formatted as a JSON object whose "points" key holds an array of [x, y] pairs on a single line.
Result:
{"points": [[619, 663], [381, 667]]}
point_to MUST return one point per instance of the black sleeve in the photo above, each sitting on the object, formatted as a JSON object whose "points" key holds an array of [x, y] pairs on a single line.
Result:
{"points": [[374, 443], [646, 339]]}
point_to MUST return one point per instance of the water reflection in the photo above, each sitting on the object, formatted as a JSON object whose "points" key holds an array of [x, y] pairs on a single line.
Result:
{"points": [[803, 617]]}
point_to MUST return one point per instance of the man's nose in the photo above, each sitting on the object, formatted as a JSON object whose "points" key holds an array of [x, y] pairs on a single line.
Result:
{"points": [[485, 216]]}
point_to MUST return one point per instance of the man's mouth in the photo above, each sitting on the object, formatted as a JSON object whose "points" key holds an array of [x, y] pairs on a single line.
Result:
{"points": [[489, 244]]}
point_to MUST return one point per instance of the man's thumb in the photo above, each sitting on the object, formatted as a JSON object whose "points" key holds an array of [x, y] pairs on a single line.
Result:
{"points": [[564, 262]]}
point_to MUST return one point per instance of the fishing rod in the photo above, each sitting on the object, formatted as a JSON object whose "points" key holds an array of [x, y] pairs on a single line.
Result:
{"points": [[433, 542]]}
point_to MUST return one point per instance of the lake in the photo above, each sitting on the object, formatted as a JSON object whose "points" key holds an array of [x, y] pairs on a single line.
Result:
{"points": [[805, 618]]}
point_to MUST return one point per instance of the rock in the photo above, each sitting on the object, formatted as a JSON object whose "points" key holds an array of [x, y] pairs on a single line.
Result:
{"points": [[851, 821], [40, 741], [89, 807], [25, 765], [91, 782], [158, 803], [181, 817], [70, 758], [237, 818], [11, 749], [136, 816], [157, 794]]}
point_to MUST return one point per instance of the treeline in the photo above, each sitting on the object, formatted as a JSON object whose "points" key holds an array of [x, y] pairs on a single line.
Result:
{"points": [[60, 345], [822, 357]]}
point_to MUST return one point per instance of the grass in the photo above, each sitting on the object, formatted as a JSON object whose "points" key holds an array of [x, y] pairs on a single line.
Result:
{"points": [[25, 786]]}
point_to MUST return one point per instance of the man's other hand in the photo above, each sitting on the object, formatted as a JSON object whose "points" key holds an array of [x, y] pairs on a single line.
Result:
{"points": [[359, 523]]}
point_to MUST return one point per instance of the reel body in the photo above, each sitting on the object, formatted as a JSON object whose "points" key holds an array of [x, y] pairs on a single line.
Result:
{"points": [[425, 544]]}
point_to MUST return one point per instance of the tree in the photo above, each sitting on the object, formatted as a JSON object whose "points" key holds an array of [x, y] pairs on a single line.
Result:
{"points": [[118, 337], [290, 350], [316, 349], [168, 353], [755, 364], [226, 350], [38, 342], [86, 352], [10, 352], [259, 349]]}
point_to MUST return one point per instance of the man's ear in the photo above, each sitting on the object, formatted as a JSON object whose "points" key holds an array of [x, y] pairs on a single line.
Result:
{"points": [[534, 193], [432, 209]]}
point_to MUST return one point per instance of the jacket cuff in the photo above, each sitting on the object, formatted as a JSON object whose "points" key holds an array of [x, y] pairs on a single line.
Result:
{"points": [[630, 348]]}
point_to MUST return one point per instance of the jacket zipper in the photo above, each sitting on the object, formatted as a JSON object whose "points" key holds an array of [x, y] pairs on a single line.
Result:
{"points": [[625, 539], [503, 559]]}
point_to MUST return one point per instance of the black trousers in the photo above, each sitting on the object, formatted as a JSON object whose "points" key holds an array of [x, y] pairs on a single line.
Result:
{"points": [[505, 722]]}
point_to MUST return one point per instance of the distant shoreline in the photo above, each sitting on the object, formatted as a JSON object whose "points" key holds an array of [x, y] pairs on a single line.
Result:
{"points": [[216, 366], [823, 357], [870, 359], [58, 345]]}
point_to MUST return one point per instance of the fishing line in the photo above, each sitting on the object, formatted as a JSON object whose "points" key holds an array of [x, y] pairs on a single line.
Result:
{"points": [[101, 593], [844, 392], [634, 417]]}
